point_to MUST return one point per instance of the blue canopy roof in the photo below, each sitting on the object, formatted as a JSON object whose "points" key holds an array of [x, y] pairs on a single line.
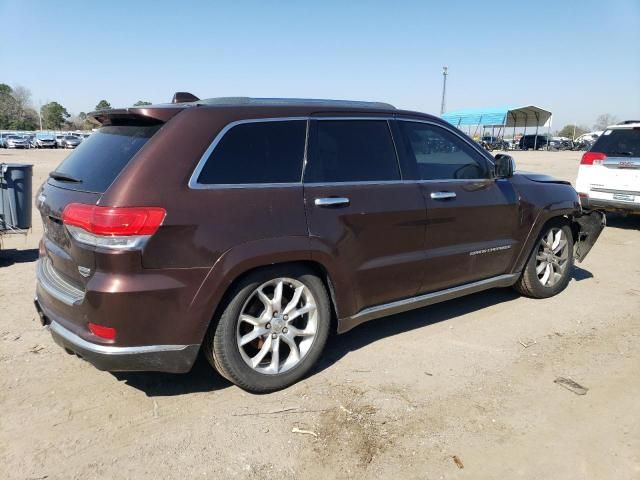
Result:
{"points": [[529, 116]]}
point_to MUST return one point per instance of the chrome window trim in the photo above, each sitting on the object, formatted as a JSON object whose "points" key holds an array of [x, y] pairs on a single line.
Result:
{"points": [[356, 182], [473, 145], [193, 180], [193, 183]]}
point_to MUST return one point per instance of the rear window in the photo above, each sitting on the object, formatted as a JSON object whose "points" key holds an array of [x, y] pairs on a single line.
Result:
{"points": [[257, 152], [619, 143], [100, 158]]}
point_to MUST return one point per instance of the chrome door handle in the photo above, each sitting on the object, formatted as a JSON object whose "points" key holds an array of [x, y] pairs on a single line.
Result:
{"points": [[442, 195], [332, 202]]}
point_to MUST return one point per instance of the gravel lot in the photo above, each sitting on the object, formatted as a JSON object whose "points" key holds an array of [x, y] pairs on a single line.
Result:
{"points": [[463, 389]]}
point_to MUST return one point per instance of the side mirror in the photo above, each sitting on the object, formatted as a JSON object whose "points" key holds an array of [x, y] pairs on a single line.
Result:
{"points": [[505, 165]]}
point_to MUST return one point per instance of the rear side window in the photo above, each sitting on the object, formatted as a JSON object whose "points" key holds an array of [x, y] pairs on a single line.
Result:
{"points": [[619, 143], [440, 154], [98, 160], [257, 152], [351, 151]]}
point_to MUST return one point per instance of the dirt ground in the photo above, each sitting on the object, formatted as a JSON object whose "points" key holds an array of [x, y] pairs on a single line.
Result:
{"points": [[463, 389]]}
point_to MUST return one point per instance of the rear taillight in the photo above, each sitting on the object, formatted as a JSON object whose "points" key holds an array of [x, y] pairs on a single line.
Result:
{"points": [[107, 333], [117, 228], [592, 158]]}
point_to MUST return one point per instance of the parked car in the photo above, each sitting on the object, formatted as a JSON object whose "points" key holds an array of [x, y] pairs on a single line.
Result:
{"points": [[44, 140], [3, 139], [70, 141], [530, 142], [16, 141], [491, 143], [609, 173], [300, 216], [59, 140]]}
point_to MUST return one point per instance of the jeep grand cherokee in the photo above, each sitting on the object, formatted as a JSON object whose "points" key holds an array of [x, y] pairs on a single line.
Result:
{"points": [[244, 227]]}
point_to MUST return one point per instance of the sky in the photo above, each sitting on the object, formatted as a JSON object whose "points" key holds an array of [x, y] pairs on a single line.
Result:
{"points": [[577, 59]]}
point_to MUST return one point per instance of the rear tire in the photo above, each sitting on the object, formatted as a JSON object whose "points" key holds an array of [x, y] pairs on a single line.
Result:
{"points": [[264, 340], [548, 269]]}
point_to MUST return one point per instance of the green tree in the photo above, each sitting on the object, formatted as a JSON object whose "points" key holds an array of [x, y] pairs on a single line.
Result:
{"points": [[141, 103], [7, 105], [16, 112], [53, 115], [28, 120], [604, 120], [103, 105], [572, 131]]}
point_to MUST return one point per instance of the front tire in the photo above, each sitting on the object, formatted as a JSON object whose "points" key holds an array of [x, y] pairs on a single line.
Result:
{"points": [[548, 270], [272, 329]]}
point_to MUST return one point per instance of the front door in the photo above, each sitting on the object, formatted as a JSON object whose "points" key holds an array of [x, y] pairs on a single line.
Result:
{"points": [[472, 217], [370, 222]]}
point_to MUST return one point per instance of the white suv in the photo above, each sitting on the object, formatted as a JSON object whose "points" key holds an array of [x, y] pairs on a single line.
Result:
{"points": [[609, 173]]}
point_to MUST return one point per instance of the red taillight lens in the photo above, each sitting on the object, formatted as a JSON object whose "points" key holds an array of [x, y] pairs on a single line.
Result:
{"points": [[114, 221], [589, 157], [107, 333]]}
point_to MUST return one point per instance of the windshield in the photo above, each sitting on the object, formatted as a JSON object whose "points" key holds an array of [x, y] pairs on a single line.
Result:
{"points": [[98, 160]]}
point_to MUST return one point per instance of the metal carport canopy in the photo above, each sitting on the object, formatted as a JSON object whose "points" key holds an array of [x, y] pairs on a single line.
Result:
{"points": [[530, 116]]}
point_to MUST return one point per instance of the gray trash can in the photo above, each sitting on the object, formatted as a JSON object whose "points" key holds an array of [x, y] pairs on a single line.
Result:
{"points": [[15, 196]]}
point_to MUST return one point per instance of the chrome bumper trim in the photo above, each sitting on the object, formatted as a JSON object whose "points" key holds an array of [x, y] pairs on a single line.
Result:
{"points": [[83, 345], [55, 285]]}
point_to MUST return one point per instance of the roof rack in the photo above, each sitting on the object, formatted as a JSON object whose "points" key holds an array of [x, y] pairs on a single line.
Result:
{"points": [[628, 122], [293, 102]]}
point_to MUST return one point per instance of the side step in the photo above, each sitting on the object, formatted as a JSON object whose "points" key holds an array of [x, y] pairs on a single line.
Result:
{"points": [[407, 304]]}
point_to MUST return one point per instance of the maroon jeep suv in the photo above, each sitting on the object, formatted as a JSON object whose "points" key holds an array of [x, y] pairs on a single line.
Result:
{"points": [[249, 228]]}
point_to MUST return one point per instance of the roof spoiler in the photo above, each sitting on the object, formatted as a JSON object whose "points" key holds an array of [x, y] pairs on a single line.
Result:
{"points": [[184, 97]]}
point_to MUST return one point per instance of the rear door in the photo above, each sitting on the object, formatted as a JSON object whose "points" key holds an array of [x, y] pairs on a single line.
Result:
{"points": [[472, 217], [369, 222], [82, 178], [617, 176]]}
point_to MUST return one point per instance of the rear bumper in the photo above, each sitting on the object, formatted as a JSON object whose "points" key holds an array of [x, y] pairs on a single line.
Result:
{"points": [[611, 205], [149, 358]]}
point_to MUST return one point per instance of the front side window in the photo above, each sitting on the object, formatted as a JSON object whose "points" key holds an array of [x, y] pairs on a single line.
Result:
{"points": [[440, 154], [351, 151], [257, 152]]}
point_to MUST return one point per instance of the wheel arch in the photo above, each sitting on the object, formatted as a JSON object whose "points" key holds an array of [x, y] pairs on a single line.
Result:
{"points": [[236, 264], [545, 216]]}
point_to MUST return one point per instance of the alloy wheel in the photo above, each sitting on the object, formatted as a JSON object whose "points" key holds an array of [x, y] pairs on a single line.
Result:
{"points": [[552, 257], [277, 326]]}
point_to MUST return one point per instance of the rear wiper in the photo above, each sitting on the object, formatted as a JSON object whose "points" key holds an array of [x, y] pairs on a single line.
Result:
{"points": [[63, 177], [624, 154]]}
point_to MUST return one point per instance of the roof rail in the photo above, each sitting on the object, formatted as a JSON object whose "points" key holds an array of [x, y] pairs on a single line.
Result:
{"points": [[293, 102], [628, 122]]}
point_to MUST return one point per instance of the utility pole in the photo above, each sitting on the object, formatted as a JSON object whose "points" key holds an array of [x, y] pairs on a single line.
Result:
{"points": [[40, 113], [444, 88]]}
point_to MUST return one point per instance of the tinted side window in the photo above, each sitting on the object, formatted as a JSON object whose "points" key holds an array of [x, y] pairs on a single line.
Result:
{"points": [[439, 154], [258, 152], [351, 151]]}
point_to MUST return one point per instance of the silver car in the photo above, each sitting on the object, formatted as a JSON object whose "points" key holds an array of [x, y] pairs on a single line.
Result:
{"points": [[70, 141], [15, 141]]}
